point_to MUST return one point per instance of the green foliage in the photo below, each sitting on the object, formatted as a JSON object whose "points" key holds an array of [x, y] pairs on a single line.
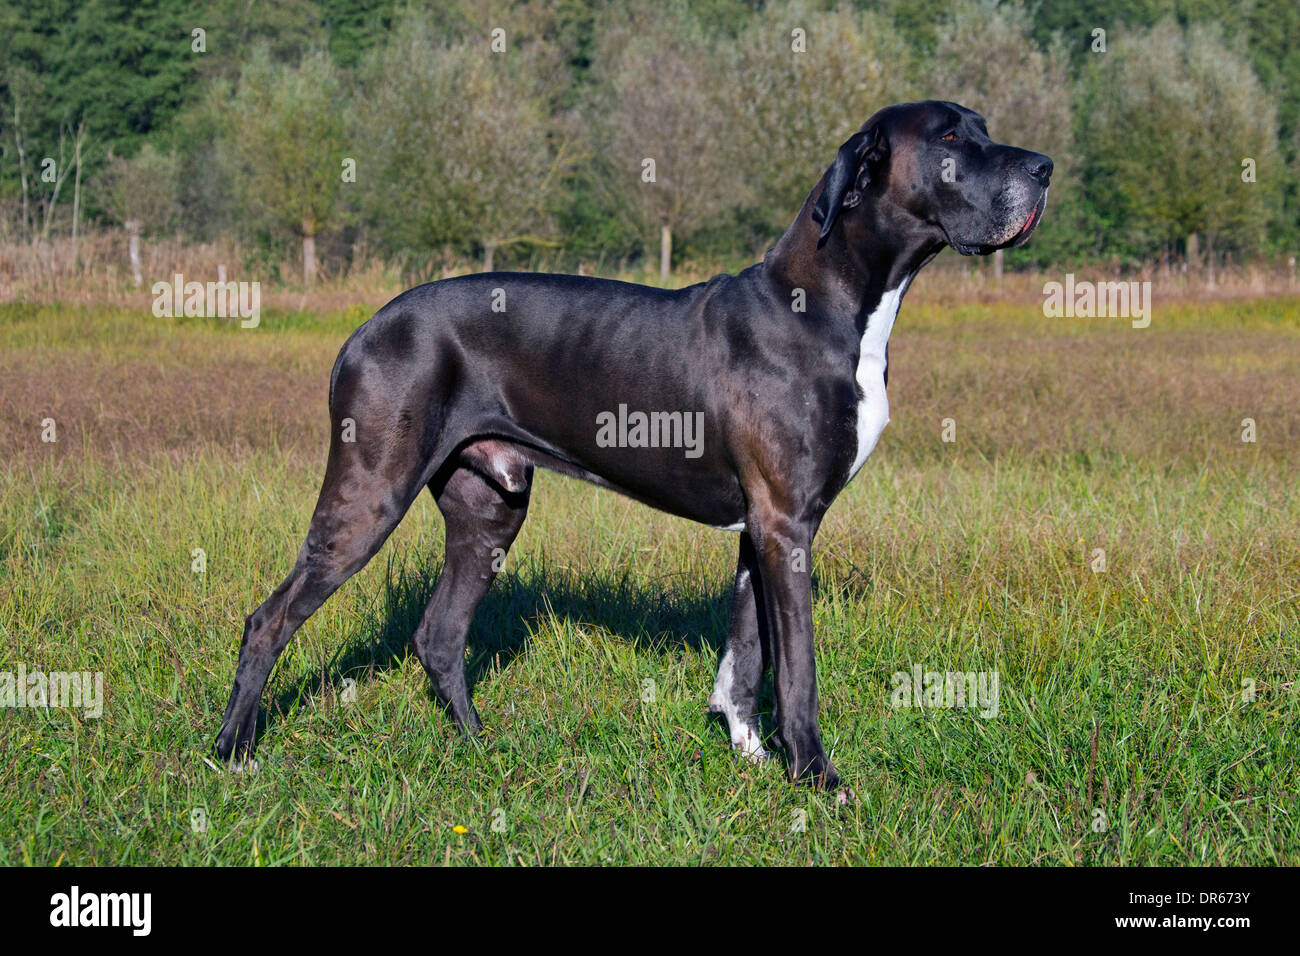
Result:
{"points": [[285, 30], [917, 20], [207, 189], [124, 67], [787, 91], [739, 124], [287, 139], [142, 189], [356, 27], [456, 146], [1171, 114], [661, 79]]}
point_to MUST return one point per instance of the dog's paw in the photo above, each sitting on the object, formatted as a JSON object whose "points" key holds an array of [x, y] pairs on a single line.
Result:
{"points": [[749, 744], [816, 771]]}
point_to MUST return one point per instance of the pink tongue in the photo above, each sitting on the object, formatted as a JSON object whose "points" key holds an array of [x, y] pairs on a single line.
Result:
{"points": [[1030, 221]]}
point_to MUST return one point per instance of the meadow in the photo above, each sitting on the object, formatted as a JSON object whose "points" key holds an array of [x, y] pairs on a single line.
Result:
{"points": [[1096, 532]]}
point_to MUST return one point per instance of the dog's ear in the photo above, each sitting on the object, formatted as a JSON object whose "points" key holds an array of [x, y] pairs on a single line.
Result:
{"points": [[849, 174]]}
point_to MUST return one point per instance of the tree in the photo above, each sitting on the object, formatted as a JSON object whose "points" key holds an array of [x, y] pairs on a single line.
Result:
{"points": [[1173, 115], [666, 124], [355, 26], [286, 30], [23, 90], [986, 59], [800, 82], [124, 67], [460, 148], [287, 136], [140, 193], [41, 175]]}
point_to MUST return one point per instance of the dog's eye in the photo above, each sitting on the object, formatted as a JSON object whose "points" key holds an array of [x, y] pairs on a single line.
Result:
{"points": [[950, 138]]}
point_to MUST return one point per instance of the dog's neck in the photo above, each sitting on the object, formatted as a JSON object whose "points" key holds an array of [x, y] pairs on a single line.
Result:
{"points": [[868, 266]]}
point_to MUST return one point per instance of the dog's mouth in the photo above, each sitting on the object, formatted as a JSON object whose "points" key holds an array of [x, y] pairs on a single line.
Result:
{"points": [[1035, 216], [1019, 238]]}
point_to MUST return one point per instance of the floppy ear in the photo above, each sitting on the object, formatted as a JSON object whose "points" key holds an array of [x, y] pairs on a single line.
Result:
{"points": [[850, 173]]}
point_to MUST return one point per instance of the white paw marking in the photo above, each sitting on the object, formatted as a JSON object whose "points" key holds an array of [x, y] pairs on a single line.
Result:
{"points": [[743, 727]]}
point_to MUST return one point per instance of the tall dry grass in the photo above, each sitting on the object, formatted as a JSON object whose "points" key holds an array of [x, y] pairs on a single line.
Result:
{"points": [[97, 271]]}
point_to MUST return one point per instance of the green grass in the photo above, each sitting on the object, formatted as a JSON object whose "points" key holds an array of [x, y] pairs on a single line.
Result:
{"points": [[1121, 691]]}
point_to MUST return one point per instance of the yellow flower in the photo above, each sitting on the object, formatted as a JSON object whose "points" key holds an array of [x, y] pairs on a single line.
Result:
{"points": [[459, 829]]}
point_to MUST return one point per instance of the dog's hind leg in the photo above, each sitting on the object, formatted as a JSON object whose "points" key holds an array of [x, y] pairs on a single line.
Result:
{"points": [[482, 518], [745, 659], [373, 474]]}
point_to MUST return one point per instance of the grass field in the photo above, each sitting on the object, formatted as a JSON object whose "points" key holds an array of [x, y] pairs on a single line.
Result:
{"points": [[1125, 733]]}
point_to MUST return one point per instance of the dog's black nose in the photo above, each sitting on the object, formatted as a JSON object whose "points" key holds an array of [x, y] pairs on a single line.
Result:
{"points": [[1039, 167]]}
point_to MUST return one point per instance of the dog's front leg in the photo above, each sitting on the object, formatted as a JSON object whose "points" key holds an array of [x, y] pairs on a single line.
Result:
{"points": [[740, 671], [785, 555]]}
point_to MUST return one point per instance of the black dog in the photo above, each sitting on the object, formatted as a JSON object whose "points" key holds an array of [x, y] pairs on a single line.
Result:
{"points": [[745, 402]]}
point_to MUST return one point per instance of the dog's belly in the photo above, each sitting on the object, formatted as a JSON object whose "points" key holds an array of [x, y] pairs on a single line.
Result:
{"points": [[703, 492], [710, 496]]}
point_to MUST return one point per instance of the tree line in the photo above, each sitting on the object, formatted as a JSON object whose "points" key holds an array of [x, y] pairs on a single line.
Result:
{"points": [[581, 130]]}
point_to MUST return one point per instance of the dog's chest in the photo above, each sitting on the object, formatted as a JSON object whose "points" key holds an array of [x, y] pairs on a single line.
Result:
{"points": [[873, 406]]}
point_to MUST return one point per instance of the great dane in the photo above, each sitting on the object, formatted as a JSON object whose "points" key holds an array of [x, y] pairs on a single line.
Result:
{"points": [[746, 402]]}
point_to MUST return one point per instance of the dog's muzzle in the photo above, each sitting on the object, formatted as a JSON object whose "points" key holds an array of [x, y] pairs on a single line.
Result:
{"points": [[1015, 217]]}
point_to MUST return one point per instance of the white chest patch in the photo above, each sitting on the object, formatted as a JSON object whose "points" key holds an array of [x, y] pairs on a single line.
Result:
{"points": [[873, 409]]}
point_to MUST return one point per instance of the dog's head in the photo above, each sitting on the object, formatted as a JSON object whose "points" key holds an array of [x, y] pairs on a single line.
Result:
{"points": [[931, 170]]}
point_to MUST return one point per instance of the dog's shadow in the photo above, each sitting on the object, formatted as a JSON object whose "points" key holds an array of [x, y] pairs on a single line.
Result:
{"points": [[652, 618]]}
